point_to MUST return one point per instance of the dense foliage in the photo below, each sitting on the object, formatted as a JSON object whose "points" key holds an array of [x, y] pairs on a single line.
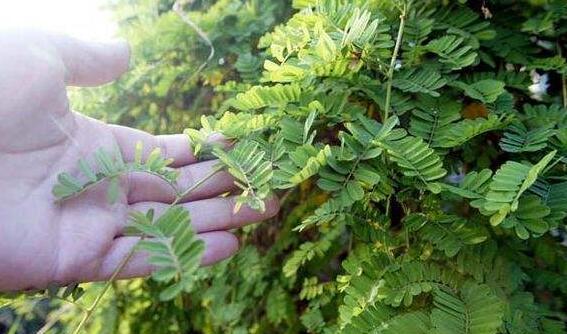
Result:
{"points": [[419, 148]]}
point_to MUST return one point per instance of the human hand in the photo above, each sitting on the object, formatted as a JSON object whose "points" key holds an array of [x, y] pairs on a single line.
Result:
{"points": [[82, 239]]}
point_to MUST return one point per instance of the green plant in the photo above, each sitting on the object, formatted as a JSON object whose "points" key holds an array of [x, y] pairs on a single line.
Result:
{"points": [[423, 183], [380, 111]]}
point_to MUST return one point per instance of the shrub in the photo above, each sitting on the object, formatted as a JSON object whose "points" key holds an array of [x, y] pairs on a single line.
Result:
{"points": [[423, 168], [419, 148]]}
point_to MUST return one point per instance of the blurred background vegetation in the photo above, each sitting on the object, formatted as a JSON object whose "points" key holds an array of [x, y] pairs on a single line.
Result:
{"points": [[174, 78]]}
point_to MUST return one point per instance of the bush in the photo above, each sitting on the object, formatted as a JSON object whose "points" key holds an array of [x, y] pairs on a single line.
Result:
{"points": [[419, 150]]}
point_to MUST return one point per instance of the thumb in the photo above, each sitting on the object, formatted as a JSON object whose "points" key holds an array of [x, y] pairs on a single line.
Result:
{"points": [[91, 63]]}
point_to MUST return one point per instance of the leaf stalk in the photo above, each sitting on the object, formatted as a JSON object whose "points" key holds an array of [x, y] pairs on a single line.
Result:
{"points": [[390, 76]]}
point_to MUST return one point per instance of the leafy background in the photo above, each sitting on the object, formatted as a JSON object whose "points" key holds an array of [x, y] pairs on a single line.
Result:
{"points": [[349, 253]]}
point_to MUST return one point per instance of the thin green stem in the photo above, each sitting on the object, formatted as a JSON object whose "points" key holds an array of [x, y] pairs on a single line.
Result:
{"points": [[6, 304], [178, 9], [129, 169], [89, 311], [390, 76], [553, 164], [388, 204], [285, 197], [70, 302], [16, 325], [196, 185], [564, 83], [563, 78]]}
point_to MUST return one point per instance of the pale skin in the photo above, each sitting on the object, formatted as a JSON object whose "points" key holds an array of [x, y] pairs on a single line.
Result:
{"points": [[43, 242]]}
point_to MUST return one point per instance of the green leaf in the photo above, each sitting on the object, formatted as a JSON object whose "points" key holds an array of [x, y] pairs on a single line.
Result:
{"points": [[355, 190], [253, 174], [326, 48], [259, 97], [476, 311], [112, 168], [424, 81], [453, 50], [461, 132], [474, 185], [173, 248], [486, 91], [518, 138], [67, 186], [113, 190], [87, 170], [508, 184], [415, 158]]}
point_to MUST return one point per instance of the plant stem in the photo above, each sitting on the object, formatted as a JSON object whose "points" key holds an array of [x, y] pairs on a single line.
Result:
{"points": [[393, 64], [54, 318], [178, 9], [70, 302], [196, 185], [564, 83], [89, 311], [563, 78], [128, 170]]}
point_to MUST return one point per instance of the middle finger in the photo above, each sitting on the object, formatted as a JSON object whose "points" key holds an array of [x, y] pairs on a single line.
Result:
{"points": [[144, 187], [216, 214]]}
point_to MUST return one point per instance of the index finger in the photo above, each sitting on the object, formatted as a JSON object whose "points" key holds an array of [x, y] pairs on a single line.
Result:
{"points": [[176, 147]]}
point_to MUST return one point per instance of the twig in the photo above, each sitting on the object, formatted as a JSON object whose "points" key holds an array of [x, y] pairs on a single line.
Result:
{"points": [[564, 82], [393, 63], [178, 9], [129, 169], [71, 302], [563, 78], [16, 325], [6, 304], [285, 196], [196, 185], [52, 321], [89, 312]]}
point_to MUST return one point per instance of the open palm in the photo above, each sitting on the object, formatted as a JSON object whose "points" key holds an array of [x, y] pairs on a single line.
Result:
{"points": [[43, 242]]}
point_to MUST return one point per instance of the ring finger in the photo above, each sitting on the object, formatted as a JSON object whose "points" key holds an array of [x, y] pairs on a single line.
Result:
{"points": [[150, 188], [216, 214]]}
